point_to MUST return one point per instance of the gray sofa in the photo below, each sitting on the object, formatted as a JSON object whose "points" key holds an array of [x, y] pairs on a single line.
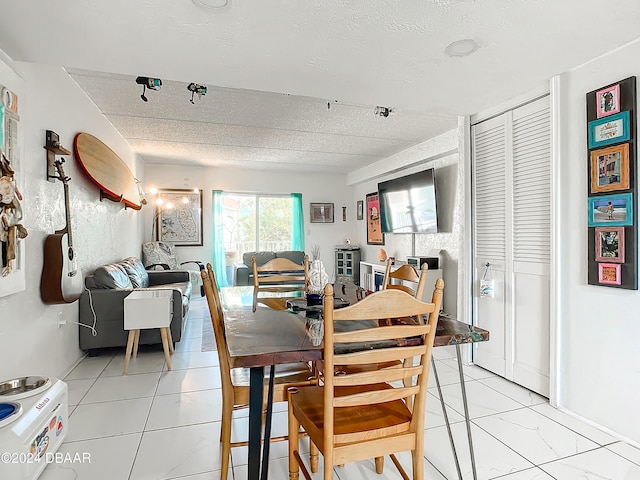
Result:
{"points": [[243, 272], [106, 290]]}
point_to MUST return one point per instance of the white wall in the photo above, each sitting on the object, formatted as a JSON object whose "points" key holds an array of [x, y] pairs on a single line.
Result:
{"points": [[31, 341], [440, 153], [599, 362], [322, 188]]}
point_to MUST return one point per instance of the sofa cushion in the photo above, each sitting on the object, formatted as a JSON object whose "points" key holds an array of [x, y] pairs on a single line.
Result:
{"points": [[136, 272], [261, 257], [111, 276], [296, 256]]}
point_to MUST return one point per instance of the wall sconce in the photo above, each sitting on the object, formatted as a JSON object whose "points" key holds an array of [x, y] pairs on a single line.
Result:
{"points": [[196, 89], [150, 83]]}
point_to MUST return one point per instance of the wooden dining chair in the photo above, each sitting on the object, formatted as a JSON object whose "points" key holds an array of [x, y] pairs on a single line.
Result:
{"points": [[278, 277], [235, 381], [405, 273], [358, 416]]}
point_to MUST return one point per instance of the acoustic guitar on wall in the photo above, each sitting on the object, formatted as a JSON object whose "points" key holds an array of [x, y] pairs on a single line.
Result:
{"points": [[61, 279]]}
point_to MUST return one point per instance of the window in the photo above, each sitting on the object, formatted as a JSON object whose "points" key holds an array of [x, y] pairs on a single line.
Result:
{"points": [[254, 222]]}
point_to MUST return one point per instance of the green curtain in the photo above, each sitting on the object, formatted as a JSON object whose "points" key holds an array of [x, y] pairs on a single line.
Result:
{"points": [[219, 259], [297, 222]]}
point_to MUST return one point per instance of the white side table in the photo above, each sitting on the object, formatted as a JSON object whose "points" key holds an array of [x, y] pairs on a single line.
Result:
{"points": [[148, 309]]}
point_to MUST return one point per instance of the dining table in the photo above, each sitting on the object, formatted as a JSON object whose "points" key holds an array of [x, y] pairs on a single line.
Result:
{"points": [[269, 337]]}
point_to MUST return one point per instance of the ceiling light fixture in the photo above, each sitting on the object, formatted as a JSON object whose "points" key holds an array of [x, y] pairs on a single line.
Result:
{"points": [[462, 48], [150, 83], [196, 89], [382, 111], [211, 4]]}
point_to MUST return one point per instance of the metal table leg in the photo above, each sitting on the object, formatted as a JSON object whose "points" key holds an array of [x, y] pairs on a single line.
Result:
{"points": [[446, 421], [466, 412], [267, 425], [256, 377]]}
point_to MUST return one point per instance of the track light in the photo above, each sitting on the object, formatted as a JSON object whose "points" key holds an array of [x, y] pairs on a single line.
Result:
{"points": [[196, 89], [150, 83], [382, 111]]}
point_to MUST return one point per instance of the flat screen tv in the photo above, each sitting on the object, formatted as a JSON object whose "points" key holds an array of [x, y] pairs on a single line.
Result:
{"points": [[408, 204]]}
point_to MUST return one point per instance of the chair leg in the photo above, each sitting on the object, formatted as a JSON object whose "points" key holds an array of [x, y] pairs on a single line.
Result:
{"points": [[294, 444], [379, 465], [418, 464], [225, 438], [313, 456]]}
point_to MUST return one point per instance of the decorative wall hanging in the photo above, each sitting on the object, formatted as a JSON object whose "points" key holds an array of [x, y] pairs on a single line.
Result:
{"points": [[360, 210], [612, 186], [12, 231], [178, 217], [321, 213], [374, 229]]}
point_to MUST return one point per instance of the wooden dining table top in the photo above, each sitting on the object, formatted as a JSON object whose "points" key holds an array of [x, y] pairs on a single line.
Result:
{"points": [[270, 337]]}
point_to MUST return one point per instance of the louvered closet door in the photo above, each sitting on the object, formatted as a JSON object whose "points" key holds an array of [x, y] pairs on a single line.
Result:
{"points": [[512, 232], [531, 244], [490, 219]]}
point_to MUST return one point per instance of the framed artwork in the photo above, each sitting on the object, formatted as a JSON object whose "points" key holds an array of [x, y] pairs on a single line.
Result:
{"points": [[607, 130], [610, 244], [609, 273], [374, 229], [608, 101], [611, 210], [179, 217], [610, 169], [360, 210], [321, 213]]}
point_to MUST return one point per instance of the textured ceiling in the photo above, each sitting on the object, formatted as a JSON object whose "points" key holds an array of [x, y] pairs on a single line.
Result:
{"points": [[363, 52], [248, 128]]}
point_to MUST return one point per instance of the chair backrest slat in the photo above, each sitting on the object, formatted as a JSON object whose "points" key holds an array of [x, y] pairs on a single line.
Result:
{"points": [[405, 273]]}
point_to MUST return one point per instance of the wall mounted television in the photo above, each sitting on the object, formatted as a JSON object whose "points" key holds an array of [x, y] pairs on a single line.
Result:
{"points": [[408, 204]]}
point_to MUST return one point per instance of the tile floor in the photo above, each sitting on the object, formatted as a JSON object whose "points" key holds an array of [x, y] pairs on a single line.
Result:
{"points": [[157, 424]]}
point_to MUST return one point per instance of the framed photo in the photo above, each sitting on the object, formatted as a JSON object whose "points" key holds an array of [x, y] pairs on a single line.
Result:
{"points": [[608, 101], [611, 210], [608, 130], [360, 210], [374, 229], [610, 244], [609, 273], [179, 217], [321, 213], [610, 169]]}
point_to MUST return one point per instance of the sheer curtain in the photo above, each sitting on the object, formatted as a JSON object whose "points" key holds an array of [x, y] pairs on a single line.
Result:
{"points": [[297, 222], [219, 259]]}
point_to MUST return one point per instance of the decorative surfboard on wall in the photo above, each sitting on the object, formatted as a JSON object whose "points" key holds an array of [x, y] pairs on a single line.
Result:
{"points": [[107, 170]]}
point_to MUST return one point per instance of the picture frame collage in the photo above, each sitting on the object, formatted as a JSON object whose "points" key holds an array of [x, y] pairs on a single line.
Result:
{"points": [[612, 186]]}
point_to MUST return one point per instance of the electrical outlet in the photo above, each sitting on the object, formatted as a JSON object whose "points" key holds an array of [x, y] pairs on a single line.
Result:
{"points": [[61, 320]]}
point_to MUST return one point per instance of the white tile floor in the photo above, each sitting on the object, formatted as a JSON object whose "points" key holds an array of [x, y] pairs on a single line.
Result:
{"points": [[155, 424]]}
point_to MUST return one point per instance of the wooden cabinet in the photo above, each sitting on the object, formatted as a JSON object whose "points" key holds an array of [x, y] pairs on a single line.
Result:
{"points": [[348, 265]]}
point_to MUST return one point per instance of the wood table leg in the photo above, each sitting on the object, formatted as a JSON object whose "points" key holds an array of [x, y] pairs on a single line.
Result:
{"points": [[170, 337], [127, 355], [165, 347], [136, 342]]}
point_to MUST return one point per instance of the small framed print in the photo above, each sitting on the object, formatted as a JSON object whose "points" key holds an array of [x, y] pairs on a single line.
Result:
{"points": [[321, 213], [611, 210], [608, 101], [609, 273], [608, 130], [610, 244], [360, 210], [610, 169]]}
